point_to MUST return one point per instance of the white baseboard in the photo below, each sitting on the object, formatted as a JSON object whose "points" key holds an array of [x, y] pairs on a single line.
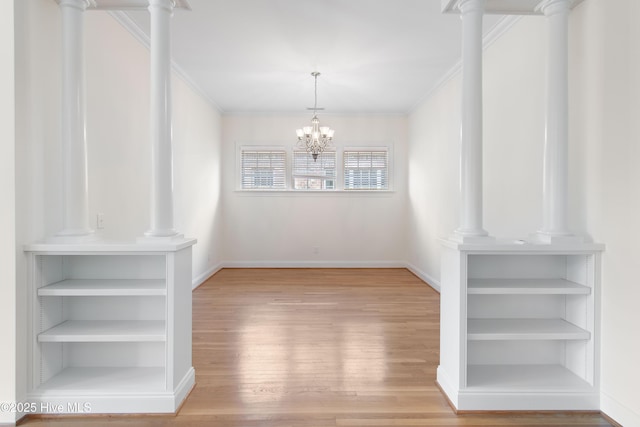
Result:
{"points": [[617, 411], [184, 388], [428, 279], [446, 386], [314, 264], [8, 419], [200, 279]]}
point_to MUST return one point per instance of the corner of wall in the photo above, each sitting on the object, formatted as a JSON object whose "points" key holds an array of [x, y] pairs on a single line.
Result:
{"points": [[617, 412], [8, 292]]}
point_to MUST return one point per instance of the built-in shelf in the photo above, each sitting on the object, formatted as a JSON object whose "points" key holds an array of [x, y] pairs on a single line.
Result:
{"points": [[518, 327], [524, 329], [105, 287], [105, 331], [105, 380], [526, 287], [524, 378], [110, 326]]}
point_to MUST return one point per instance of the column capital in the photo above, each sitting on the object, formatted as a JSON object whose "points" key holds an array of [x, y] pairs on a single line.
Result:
{"points": [[554, 7], [167, 5], [470, 6], [76, 4]]}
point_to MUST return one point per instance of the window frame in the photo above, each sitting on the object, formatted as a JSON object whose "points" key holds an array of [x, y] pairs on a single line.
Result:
{"points": [[262, 148], [387, 148], [322, 190]]}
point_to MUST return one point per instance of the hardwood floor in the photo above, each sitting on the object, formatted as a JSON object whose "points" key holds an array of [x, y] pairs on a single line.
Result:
{"points": [[318, 347]]}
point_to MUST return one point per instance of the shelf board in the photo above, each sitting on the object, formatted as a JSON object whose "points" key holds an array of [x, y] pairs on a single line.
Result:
{"points": [[105, 331], [524, 329], [104, 287], [524, 378], [130, 4], [101, 247], [104, 381], [519, 246], [525, 287], [504, 7]]}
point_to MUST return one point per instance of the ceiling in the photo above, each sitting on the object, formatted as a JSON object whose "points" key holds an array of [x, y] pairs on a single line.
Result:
{"points": [[375, 56]]}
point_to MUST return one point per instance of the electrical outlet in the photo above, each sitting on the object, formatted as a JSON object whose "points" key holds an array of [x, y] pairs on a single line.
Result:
{"points": [[100, 221], [316, 250]]}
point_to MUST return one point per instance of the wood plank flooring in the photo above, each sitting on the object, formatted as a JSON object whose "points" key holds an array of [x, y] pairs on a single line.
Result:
{"points": [[318, 347]]}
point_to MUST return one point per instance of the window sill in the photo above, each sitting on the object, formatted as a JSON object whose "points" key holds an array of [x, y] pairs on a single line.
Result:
{"points": [[312, 192]]}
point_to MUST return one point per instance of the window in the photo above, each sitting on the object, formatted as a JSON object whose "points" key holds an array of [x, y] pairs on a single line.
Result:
{"points": [[366, 170], [263, 169], [278, 168], [310, 175]]}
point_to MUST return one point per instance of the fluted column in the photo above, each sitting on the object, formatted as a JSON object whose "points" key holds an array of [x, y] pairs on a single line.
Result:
{"points": [[471, 228], [556, 151], [162, 159], [74, 143]]}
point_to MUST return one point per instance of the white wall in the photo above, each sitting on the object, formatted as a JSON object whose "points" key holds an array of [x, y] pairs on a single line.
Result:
{"points": [[349, 229], [607, 123], [433, 181], [604, 177], [7, 214], [197, 133]]}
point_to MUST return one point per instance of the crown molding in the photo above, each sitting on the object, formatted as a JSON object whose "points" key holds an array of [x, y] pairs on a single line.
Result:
{"points": [[123, 19], [497, 31]]}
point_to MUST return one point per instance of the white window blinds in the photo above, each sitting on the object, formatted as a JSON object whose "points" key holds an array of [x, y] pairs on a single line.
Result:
{"points": [[310, 175], [263, 170], [366, 170]]}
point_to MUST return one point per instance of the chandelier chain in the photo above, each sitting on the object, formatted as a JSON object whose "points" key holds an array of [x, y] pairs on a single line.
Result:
{"points": [[315, 94]]}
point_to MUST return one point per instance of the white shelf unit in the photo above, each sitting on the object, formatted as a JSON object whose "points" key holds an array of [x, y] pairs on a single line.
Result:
{"points": [[519, 326], [110, 327]]}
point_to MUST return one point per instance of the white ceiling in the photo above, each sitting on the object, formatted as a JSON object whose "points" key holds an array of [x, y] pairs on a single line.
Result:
{"points": [[375, 56]]}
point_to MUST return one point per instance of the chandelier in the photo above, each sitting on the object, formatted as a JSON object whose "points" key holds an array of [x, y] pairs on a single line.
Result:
{"points": [[315, 138]]}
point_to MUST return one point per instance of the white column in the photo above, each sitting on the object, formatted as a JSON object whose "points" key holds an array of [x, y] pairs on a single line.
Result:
{"points": [[162, 159], [555, 168], [74, 143], [471, 130]]}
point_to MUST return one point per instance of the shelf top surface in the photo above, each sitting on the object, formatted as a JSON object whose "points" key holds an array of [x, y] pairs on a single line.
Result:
{"points": [[506, 246], [105, 330], [130, 4], [489, 329], [105, 380], [100, 246], [504, 7], [526, 286], [97, 287], [524, 378]]}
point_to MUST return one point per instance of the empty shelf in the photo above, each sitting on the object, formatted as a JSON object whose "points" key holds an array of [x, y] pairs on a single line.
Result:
{"points": [[105, 287], [105, 331], [526, 287], [104, 381], [524, 378], [524, 329]]}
